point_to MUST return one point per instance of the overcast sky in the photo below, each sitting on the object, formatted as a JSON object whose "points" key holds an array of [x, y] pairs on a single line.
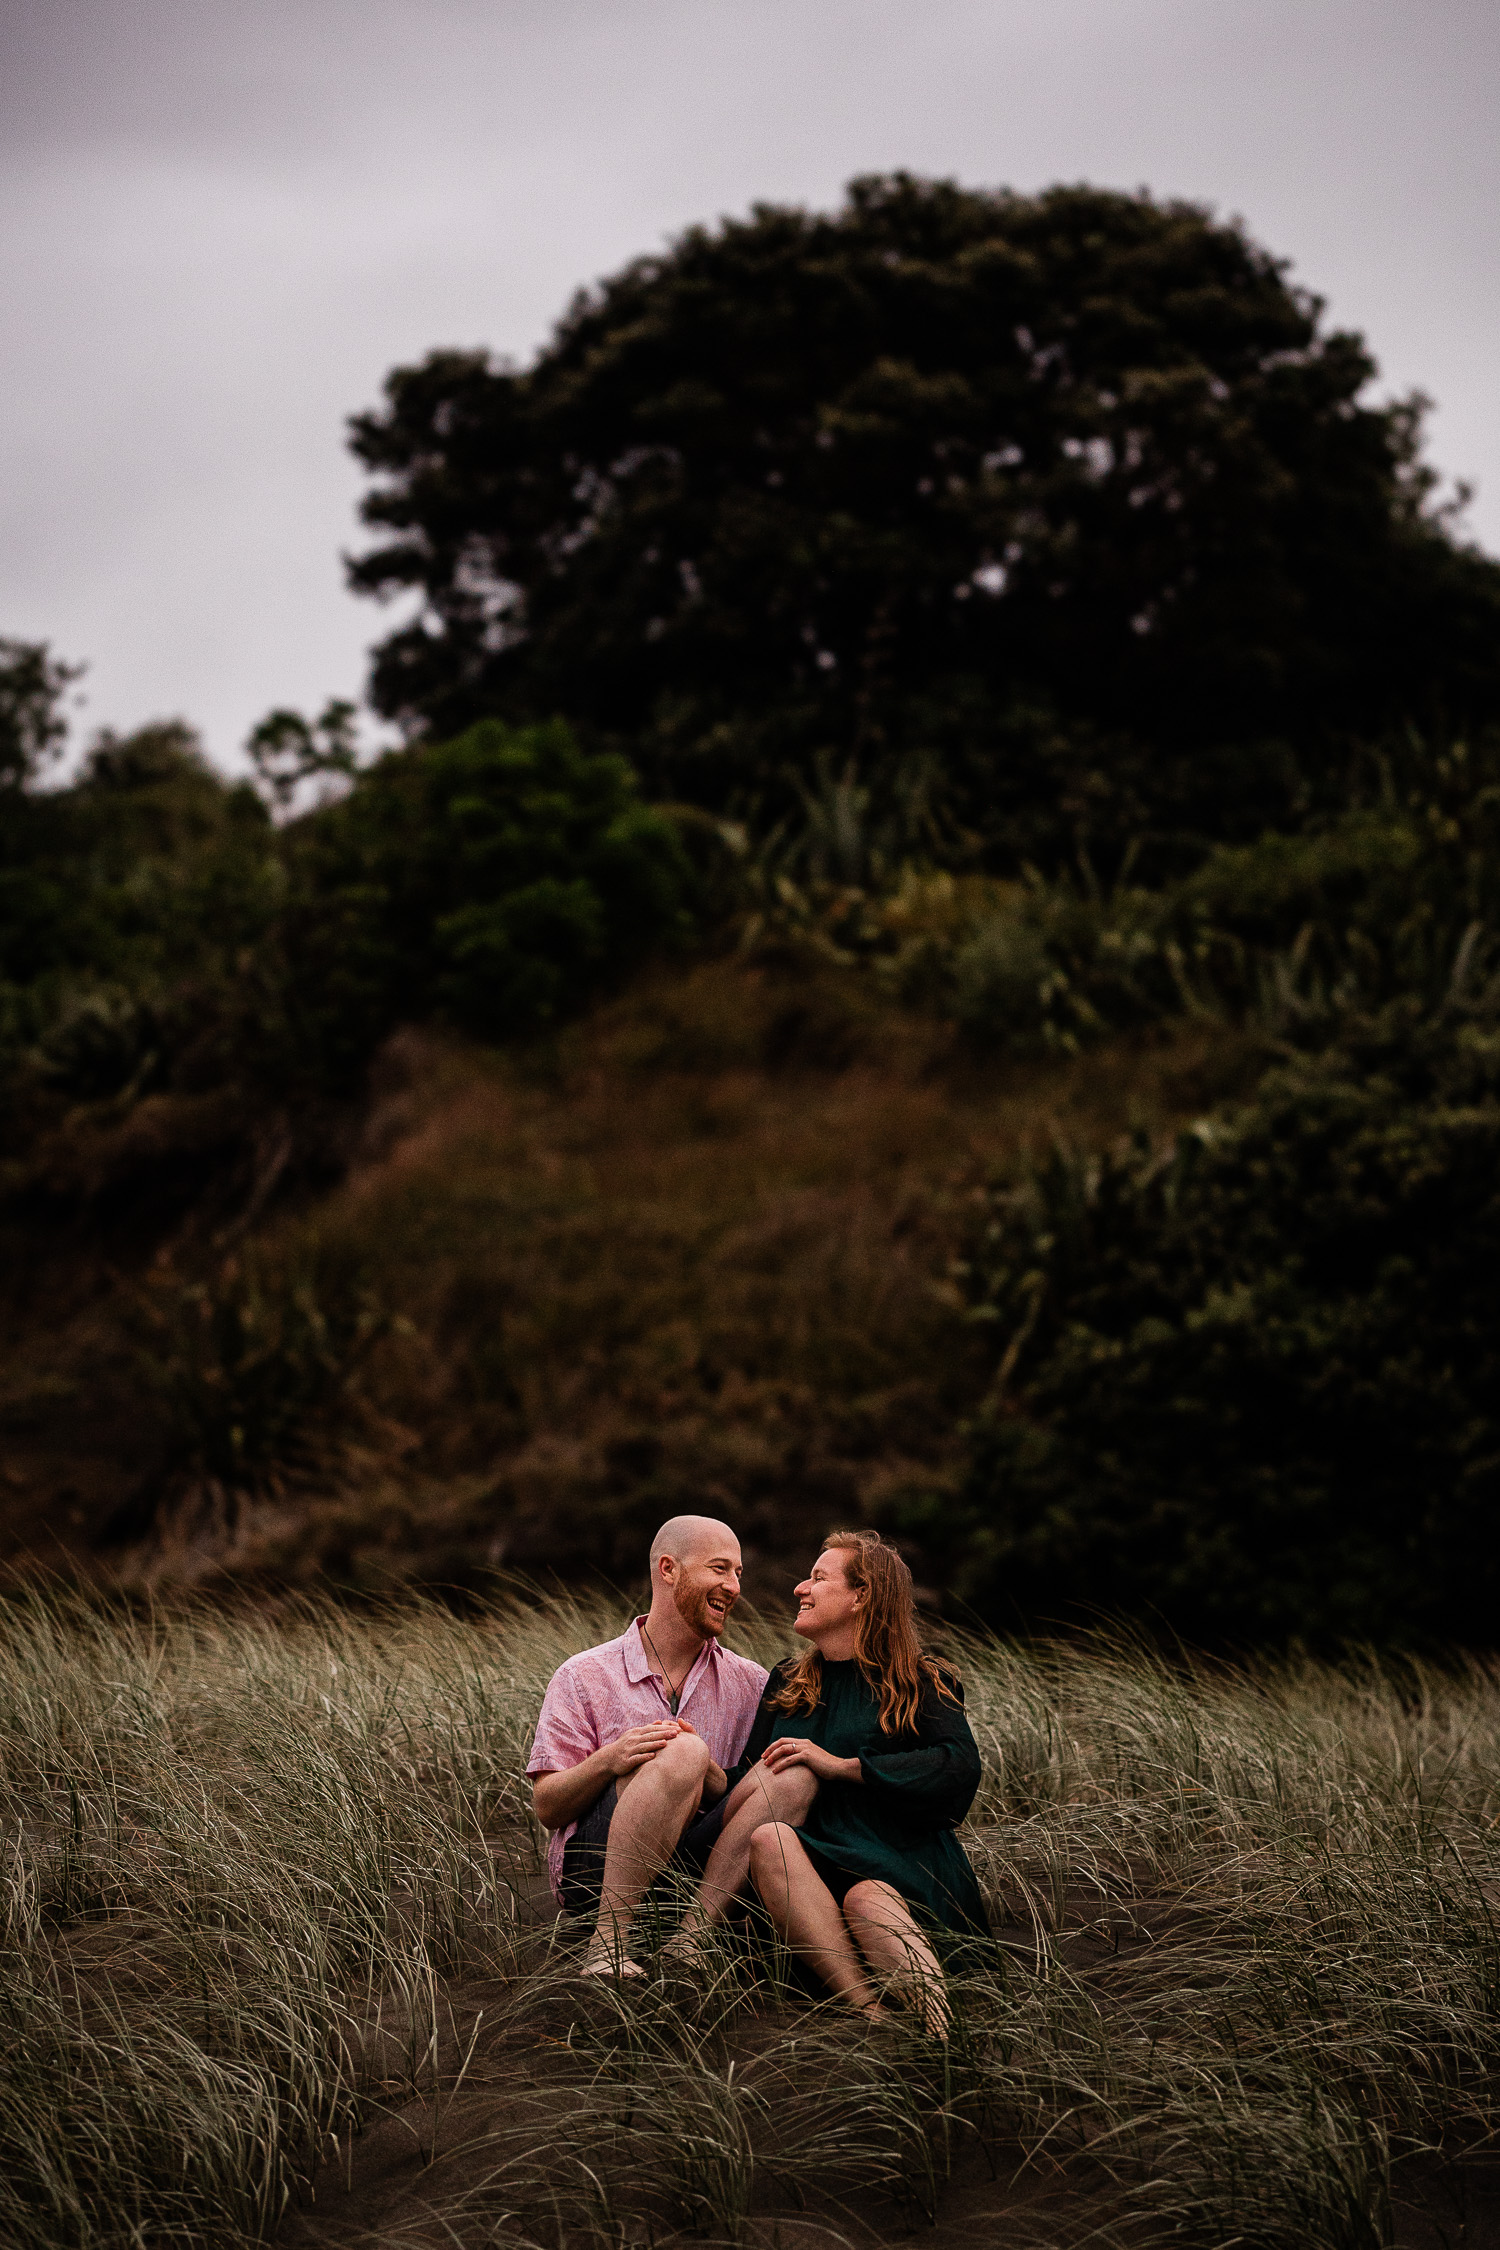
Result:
{"points": [[224, 220]]}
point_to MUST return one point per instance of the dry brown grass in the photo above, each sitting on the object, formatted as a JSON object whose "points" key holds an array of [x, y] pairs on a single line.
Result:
{"points": [[698, 1252]]}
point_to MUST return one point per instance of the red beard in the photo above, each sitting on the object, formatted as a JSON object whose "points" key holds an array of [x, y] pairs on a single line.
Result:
{"points": [[693, 1609]]}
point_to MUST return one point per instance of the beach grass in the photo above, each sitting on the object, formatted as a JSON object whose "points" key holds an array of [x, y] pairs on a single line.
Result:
{"points": [[279, 1964]]}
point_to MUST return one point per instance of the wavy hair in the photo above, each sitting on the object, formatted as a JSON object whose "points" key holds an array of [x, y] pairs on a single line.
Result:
{"points": [[886, 1647]]}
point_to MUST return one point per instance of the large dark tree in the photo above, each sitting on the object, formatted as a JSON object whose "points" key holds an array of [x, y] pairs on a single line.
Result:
{"points": [[1069, 499]]}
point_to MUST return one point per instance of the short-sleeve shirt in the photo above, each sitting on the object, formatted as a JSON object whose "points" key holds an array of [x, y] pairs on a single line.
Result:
{"points": [[599, 1695]]}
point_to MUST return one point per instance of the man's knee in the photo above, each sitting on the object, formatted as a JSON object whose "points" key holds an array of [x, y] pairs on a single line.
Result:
{"points": [[666, 1791], [797, 1787], [685, 1760], [682, 1764]]}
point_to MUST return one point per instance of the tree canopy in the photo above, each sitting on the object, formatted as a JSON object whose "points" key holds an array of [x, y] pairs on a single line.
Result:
{"points": [[1071, 502], [158, 933], [33, 683], [496, 881]]}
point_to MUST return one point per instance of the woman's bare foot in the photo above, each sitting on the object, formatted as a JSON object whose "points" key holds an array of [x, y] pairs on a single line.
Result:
{"points": [[687, 1952], [931, 2012]]}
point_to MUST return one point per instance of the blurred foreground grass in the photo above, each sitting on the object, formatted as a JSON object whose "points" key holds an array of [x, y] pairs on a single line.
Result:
{"points": [[278, 1961]]}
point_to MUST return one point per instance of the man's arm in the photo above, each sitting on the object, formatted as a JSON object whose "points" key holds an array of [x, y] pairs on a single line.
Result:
{"points": [[565, 1794]]}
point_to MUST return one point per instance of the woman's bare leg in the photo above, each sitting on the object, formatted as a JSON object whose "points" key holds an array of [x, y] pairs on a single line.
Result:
{"points": [[805, 1913], [882, 1926], [762, 1796]]}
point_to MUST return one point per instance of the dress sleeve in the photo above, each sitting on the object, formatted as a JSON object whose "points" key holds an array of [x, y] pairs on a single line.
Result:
{"points": [[931, 1780], [761, 1727]]}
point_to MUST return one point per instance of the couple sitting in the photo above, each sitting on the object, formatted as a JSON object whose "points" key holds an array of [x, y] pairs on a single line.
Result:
{"points": [[833, 1785]]}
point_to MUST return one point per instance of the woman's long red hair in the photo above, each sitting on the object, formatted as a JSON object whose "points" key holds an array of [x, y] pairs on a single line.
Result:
{"points": [[886, 1647]]}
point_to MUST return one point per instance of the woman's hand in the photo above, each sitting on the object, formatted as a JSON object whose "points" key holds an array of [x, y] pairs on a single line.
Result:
{"points": [[793, 1750]]}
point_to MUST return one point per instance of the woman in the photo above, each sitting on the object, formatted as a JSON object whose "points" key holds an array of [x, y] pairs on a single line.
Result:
{"points": [[859, 1766]]}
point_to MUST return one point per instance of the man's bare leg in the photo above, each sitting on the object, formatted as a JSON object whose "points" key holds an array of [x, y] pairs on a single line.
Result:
{"points": [[883, 1927], [762, 1796], [653, 1806], [806, 1914]]}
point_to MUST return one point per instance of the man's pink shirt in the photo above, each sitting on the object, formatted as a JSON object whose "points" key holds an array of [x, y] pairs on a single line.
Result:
{"points": [[598, 1696]]}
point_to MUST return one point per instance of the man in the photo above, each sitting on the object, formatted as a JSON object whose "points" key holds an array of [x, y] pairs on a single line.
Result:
{"points": [[628, 1765]]}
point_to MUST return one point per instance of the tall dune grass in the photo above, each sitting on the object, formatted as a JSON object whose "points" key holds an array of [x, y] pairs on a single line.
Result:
{"points": [[277, 1958]]}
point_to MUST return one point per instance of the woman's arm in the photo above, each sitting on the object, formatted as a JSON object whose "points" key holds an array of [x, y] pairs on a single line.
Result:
{"points": [[935, 1774]]}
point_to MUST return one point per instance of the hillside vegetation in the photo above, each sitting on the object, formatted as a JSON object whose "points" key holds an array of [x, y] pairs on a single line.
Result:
{"points": [[861, 1195], [931, 952], [700, 1248]]}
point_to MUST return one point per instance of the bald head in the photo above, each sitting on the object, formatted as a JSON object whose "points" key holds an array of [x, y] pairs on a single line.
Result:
{"points": [[695, 1577], [688, 1538]]}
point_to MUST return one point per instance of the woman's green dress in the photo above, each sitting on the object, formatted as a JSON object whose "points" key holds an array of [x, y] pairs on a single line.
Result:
{"points": [[896, 1824]]}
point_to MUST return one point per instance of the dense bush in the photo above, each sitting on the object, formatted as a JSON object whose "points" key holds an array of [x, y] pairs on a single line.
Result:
{"points": [[495, 881], [1250, 1383], [158, 934], [253, 1372], [1253, 1384], [130, 903], [1391, 893]]}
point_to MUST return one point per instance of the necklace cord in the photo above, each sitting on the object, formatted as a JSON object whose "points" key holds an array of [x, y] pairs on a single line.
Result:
{"points": [[674, 1694]]}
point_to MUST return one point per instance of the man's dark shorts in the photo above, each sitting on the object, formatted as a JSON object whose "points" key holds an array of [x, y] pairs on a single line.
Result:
{"points": [[583, 1854]]}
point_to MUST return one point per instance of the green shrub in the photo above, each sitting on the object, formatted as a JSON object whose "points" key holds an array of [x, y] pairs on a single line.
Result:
{"points": [[497, 881], [1253, 1383], [1384, 897], [129, 906], [158, 933]]}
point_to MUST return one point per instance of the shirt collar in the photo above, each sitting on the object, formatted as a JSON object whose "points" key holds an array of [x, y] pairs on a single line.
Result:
{"points": [[638, 1664]]}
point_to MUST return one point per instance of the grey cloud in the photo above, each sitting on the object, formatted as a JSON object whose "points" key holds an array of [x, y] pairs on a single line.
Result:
{"points": [[225, 219]]}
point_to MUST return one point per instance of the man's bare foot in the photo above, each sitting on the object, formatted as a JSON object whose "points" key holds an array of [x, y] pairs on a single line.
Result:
{"points": [[605, 1965]]}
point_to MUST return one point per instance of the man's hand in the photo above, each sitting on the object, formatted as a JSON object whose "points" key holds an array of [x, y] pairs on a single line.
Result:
{"points": [[567, 1793], [639, 1745], [792, 1750]]}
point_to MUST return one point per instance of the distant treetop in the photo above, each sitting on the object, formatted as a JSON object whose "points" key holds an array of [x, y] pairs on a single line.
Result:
{"points": [[33, 725], [1069, 498]]}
